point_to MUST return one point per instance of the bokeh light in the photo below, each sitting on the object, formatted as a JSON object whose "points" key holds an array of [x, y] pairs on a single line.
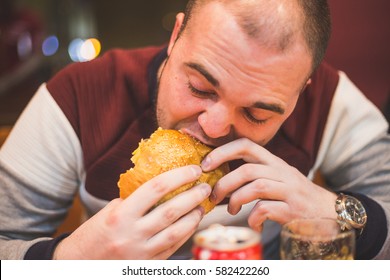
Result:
{"points": [[74, 49], [84, 50], [24, 45], [90, 49], [50, 45]]}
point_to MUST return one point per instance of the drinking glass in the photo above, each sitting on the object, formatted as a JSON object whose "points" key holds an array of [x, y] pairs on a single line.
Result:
{"points": [[316, 239]]}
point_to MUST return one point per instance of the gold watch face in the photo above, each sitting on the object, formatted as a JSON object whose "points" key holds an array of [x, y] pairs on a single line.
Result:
{"points": [[356, 211]]}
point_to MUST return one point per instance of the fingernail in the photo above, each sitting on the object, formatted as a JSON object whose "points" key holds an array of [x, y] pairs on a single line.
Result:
{"points": [[232, 211], [206, 189], [201, 210], [196, 171], [206, 163], [213, 198], [229, 208]]}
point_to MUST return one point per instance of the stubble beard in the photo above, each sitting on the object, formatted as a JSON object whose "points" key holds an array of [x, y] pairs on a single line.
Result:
{"points": [[159, 114]]}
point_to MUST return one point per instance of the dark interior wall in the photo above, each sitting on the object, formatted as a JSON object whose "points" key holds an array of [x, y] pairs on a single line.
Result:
{"points": [[360, 45], [135, 23]]}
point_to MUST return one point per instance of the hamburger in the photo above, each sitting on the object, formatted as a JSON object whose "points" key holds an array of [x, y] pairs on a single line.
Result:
{"points": [[165, 150]]}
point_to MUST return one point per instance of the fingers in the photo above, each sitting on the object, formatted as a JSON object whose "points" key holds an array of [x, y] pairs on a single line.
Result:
{"points": [[137, 232], [170, 239], [261, 176], [146, 196], [277, 211], [239, 149], [170, 211], [173, 222], [263, 188]]}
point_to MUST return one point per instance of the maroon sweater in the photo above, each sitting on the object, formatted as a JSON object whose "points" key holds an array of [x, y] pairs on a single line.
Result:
{"points": [[109, 103]]}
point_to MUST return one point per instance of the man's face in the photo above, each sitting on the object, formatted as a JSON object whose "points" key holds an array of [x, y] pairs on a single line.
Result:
{"points": [[219, 85]]}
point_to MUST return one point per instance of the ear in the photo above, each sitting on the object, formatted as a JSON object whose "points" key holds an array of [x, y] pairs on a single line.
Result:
{"points": [[175, 32], [308, 82]]}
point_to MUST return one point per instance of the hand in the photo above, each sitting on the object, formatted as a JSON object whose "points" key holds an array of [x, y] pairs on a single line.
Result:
{"points": [[129, 229], [283, 192]]}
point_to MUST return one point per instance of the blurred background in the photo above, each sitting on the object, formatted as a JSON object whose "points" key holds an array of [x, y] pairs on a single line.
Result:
{"points": [[39, 37]]}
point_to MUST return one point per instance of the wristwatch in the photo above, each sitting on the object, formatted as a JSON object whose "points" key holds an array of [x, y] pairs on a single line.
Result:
{"points": [[350, 213]]}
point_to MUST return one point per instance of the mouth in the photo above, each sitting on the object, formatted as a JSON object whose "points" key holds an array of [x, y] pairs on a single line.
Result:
{"points": [[202, 139]]}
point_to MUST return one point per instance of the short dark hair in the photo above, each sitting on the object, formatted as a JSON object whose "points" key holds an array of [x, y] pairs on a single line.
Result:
{"points": [[316, 25]]}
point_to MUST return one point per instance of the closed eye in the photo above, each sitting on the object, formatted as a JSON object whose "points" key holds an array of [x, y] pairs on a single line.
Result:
{"points": [[212, 95], [200, 93], [252, 119]]}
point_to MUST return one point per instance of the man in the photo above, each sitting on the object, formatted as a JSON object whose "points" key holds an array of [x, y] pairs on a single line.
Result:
{"points": [[242, 76]]}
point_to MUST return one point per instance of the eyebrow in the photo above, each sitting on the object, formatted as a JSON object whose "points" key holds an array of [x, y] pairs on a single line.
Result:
{"points": [[199, 68], [269, 107], [260, 105]]}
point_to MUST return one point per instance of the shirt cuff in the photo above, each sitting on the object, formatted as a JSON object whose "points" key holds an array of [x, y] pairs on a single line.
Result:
{"points": [[44, 250]]}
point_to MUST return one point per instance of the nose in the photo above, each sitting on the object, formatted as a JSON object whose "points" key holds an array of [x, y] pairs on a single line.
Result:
{"points": [[216, 121]]}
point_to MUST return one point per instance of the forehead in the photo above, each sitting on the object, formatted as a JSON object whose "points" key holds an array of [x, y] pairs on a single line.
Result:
{"points": [[217, 41], [273, 23]]}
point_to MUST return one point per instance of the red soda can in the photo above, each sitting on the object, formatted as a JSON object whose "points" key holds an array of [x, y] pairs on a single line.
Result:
{"points": [[227, 243]]}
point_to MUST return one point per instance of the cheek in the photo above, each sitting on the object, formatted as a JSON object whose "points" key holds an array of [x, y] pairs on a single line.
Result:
{"points": [[175, 103], [271, 129], [261, 134], [178, 99], [184, 106]]}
